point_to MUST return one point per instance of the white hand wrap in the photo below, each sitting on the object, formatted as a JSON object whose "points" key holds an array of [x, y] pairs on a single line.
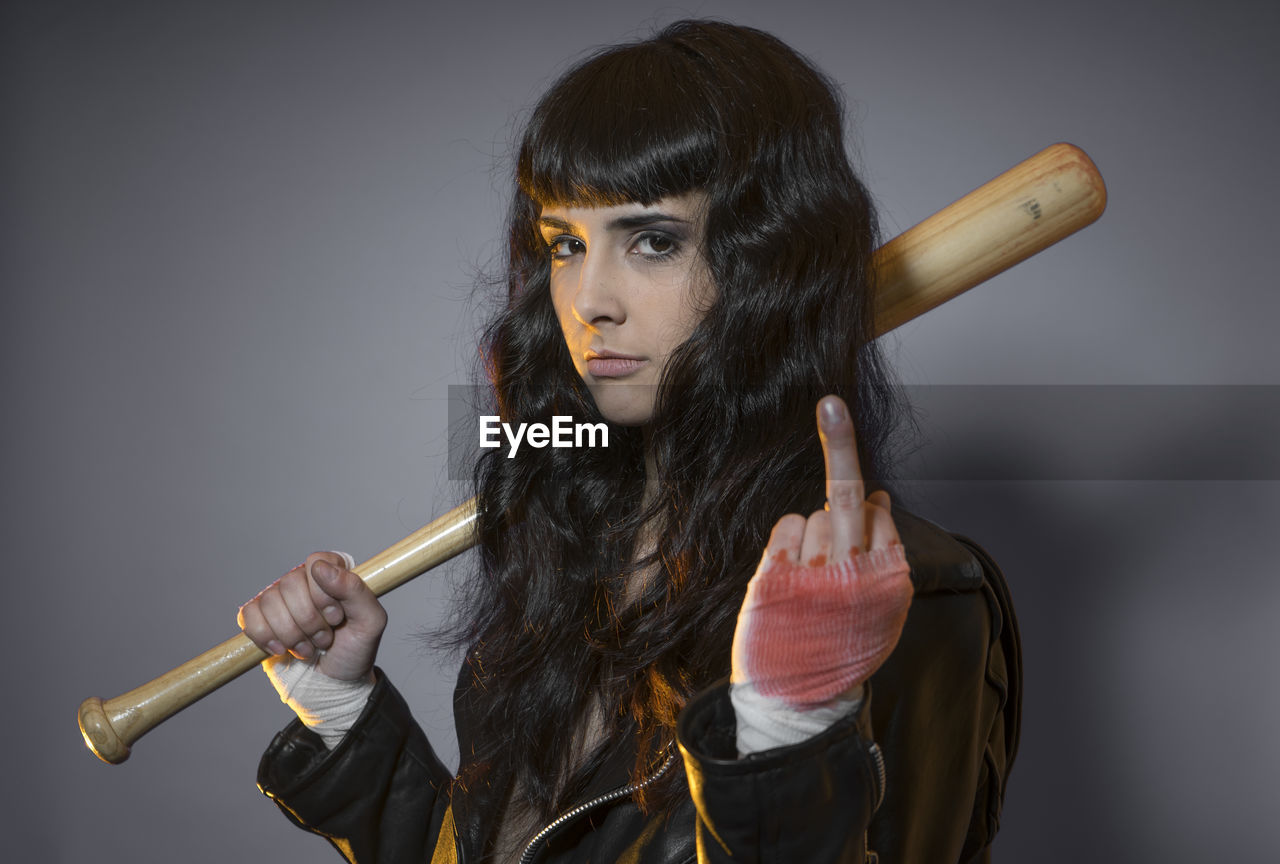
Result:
{"points": [[765, 723], [325, 705]]}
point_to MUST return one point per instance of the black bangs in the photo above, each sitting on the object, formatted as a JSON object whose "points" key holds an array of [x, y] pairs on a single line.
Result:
{"points": [[629, 124], [703, 104]]}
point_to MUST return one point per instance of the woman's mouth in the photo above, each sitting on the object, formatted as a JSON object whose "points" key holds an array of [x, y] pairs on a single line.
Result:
{"points": [[613, 367]]}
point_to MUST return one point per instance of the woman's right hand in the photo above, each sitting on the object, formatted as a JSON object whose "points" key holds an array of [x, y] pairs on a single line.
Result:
{"points": [[318, 609]]}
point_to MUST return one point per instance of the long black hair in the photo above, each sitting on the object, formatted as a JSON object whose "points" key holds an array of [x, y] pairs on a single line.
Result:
{"points": [[734, 113]]}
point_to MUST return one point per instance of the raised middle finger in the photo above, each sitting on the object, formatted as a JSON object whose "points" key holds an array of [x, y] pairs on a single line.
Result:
{"points": [[844, 478]]}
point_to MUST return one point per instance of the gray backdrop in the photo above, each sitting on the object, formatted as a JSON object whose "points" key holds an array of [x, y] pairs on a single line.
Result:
{"points": [[239, 245]]}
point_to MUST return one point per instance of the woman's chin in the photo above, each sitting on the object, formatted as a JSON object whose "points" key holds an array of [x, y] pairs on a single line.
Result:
{"points": [[623, 414], [626, 416], [624, 404]]}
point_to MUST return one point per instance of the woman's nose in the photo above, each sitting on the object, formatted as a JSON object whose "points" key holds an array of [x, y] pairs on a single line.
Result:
{"points": [[599, 297]]}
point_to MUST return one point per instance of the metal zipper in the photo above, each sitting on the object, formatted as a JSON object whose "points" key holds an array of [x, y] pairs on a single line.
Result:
{"points": [[527, 856], [868, 854], [880, 775], [623, 791]]}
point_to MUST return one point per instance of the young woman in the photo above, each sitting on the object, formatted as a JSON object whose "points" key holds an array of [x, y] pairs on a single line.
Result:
{"points": [[667, 660]]}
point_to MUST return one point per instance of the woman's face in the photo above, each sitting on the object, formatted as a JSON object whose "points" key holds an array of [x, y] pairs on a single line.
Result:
{"points": [[629, 284]]}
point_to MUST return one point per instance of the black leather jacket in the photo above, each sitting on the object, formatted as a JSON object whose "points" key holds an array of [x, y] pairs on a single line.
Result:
{"points": [[917, 775]]}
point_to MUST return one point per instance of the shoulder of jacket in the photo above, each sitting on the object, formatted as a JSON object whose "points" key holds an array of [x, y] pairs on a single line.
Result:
{"points": [[939, 561]]}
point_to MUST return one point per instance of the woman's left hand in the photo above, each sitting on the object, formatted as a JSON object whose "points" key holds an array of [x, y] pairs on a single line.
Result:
{"points": [[827, 604]]}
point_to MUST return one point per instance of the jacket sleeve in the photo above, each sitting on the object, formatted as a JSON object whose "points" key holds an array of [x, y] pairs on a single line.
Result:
{"points": [[946, 716], [380, 796], [780, 804]]}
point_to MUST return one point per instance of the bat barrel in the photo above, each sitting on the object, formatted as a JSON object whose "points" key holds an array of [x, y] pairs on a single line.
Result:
{"points": [[1028, 208]]}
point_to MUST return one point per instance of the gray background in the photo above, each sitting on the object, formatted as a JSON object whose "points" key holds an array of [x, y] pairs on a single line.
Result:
{"points": [[239, 244]]}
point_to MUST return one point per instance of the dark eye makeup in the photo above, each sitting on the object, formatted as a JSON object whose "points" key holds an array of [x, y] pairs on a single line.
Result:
{"points": [[651, 245]]}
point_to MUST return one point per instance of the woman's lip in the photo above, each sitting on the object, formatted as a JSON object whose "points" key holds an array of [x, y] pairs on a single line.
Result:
{"points": [[605, 352], [613, 367]]}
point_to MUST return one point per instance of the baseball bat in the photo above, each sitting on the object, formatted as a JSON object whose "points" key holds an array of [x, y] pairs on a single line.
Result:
{"points": [[1031, 206]]}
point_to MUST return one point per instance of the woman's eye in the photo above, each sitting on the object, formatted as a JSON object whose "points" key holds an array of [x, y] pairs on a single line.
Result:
{"points": [[655, 245], [565, 247]]}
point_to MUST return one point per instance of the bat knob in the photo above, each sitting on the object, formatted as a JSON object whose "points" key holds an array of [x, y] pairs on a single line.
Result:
{"points": [[98, 733]]}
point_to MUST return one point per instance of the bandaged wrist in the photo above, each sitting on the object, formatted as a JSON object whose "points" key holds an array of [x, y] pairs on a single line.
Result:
{"points": [[765, 723], [327, 706]]}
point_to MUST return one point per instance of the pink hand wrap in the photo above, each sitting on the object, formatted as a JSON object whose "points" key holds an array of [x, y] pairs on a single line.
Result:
{"points": [[805, 635]]}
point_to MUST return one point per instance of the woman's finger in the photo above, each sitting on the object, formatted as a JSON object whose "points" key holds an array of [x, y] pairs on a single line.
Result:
{"points": [[279, 619], [881, 530], [359, 605], [815, 549], [295, 590], [255, 626], [785, 539], [844, 478], [329, 605]]}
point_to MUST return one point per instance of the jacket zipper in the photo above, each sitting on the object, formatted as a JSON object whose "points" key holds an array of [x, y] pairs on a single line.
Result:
{"points": [[868, 854], [614, 795], [527, 856], [880, 775]]}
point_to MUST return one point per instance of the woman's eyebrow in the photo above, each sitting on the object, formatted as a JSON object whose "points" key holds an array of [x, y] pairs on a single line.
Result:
{"points": [[640, 220], [622, 223], [554, 224]]}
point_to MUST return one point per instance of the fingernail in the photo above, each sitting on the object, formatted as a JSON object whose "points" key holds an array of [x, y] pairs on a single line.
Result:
{"points": [[275, 647], [302, 650], [833, 411], [332, 614], [322, 639], [324, 570]]}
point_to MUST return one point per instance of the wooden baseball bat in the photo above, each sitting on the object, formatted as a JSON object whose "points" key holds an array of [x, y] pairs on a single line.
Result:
{"points": [[1031, 206]]}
